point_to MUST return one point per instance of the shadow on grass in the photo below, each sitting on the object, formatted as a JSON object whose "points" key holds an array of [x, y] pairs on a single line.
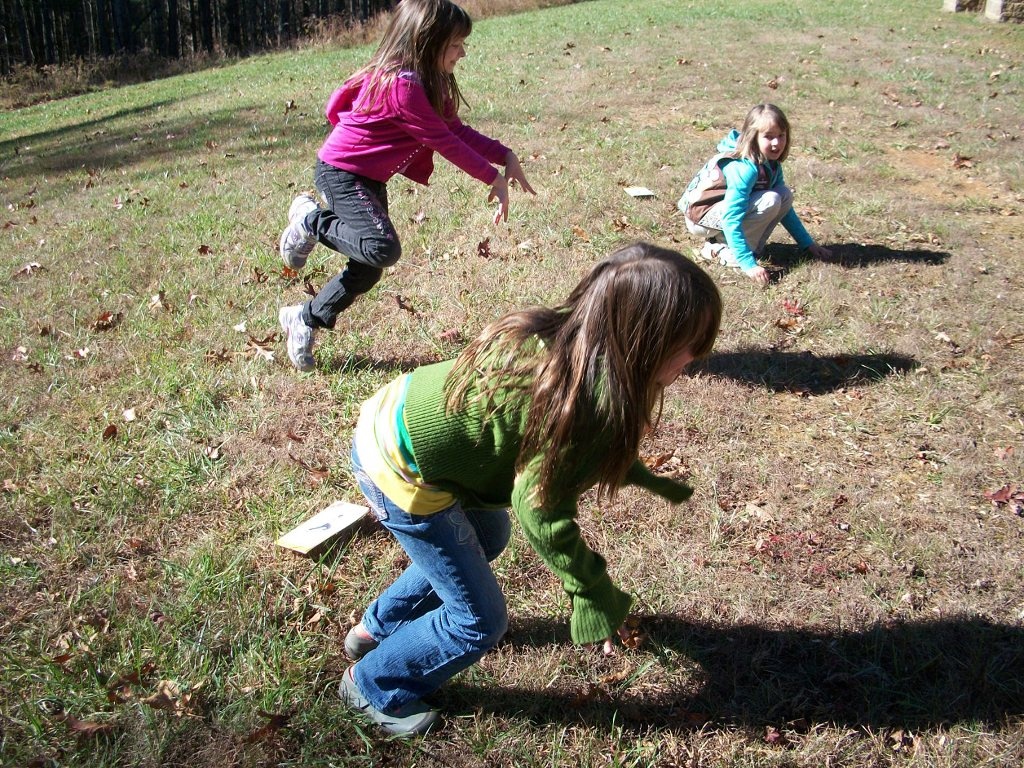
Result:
{"points": [[393, 365], [786, 255], [803, 372], [908, 675]]}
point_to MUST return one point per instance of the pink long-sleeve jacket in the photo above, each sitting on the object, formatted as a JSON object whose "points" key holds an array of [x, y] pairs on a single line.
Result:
{"points": [[401, 133]]}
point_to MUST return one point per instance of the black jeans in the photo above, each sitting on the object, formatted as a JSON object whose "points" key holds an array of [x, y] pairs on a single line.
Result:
{"points": [[356, 224]]}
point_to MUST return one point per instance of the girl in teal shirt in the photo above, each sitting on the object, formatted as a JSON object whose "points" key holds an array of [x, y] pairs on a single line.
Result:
{"points": [[740, 196]]}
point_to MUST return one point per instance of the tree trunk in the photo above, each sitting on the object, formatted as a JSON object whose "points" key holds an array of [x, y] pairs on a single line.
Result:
{"points": [[206, 25], [173, 30]]}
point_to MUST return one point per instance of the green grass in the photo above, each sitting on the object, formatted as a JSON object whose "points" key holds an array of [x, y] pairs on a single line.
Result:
{"points": [[838, 592]]}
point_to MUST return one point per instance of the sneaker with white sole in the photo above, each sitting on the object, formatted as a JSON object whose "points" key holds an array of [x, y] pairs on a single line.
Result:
{"points": [[297, 242], [299, 337], [408, 720], [719, 253], [359, 642]]}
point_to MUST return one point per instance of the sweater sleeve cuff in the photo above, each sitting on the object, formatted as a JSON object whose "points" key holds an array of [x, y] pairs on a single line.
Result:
{"points": [[597, 616]]}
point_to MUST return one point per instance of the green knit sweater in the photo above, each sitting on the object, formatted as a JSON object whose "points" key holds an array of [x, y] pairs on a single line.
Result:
{"points": [[475, 459]]}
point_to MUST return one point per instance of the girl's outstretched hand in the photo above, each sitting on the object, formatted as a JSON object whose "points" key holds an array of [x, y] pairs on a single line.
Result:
{"points": [[759, 275], [624, 633], [514, 172], [499, 192]]}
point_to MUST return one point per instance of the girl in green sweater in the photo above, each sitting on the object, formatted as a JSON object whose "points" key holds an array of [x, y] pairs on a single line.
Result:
{"points": [[543, 405]]}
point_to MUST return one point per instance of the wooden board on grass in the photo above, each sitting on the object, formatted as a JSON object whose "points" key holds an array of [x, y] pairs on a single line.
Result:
{"points": [[325, 525]]}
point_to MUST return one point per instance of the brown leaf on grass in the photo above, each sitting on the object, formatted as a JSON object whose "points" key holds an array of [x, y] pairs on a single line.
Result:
{"points": [[85, 729], [580, 233], [634, 634], [773, 83], [419, 217], [962, 161], [403, 304], [268, 730], [483, 248], [1010, 496], [316, 474], [106, 320], [110, 432], [261, 347], [774, 736], [657, 460], [204, 250], [791, 323], [257, 276], [1003, 453], [159, 301], [31, 268], [452, 335], [170, 698], [218, 355], [288, 273], [309, 288]]}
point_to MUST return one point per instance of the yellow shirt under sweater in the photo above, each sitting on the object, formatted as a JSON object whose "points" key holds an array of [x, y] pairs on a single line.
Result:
{"points": [[385, 459]]}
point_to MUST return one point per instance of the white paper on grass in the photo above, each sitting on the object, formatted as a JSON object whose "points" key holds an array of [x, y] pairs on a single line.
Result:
{"points": [[639, 192], [324, 525]]}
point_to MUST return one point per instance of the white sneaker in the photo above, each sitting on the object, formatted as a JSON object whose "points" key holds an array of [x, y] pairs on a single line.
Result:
{"points": [[297, 242], [299, 337]]}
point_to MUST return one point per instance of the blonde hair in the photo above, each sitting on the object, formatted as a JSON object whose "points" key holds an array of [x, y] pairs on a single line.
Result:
{"points": [[759, 119], [415, 38], [592, 380]]}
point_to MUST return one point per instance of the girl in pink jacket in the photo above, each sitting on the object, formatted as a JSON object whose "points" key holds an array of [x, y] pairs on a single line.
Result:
{"points": [[390, 117]]}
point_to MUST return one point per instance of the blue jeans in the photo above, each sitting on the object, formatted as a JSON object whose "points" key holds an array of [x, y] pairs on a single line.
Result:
{"points": [[444, 611], [355, 223]]}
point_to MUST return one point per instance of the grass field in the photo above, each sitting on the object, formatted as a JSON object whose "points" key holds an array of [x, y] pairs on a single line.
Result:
{"points": [[845, 588]]}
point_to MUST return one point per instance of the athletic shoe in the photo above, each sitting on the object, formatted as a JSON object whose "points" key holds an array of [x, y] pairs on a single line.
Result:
{"points": [[408, 720], [358, 642], [297, 242], [299, 337]]}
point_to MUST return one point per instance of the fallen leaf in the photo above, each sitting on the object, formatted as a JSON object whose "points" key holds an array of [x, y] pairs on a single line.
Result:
{"points": [[110, 432], [218, 356], [86, 728], [483, 248], [452, 335], [962, 161], [106, 320], [157, 301], [403, 304], [28, 269], [793, 307], [275, 722]]}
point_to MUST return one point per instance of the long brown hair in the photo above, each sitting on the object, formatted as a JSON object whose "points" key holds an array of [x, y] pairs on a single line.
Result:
{"points": [[598, 355], [414, 39], [761, 118]]}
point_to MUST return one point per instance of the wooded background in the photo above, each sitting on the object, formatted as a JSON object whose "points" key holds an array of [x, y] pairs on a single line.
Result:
{"points": [[39, 33]]}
